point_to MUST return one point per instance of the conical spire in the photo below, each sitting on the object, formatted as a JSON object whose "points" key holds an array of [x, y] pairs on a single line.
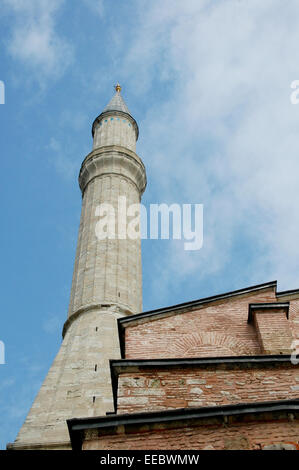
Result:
{"points": [[116, 105], [117, 102]]}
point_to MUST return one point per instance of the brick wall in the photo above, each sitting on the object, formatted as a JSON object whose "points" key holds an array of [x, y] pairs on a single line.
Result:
{"points": [[149, 390], [294, 318], [255, 435], [274, 332], [218, 329]]}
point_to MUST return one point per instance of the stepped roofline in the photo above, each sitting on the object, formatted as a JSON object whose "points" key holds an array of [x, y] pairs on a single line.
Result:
{"points": [[179, 308], [152, 315]]}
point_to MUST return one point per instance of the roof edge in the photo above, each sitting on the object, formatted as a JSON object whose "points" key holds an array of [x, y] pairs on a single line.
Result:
{"points": [[287, 293], [265, 307], [167, 362], [195, 303], [77, 426]]}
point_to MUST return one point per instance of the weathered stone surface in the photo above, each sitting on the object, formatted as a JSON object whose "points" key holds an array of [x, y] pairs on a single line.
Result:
{"points": [[107, 284], [73, 388]]}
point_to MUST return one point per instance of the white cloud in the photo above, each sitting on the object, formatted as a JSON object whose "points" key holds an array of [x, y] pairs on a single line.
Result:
{"points": [[224, 133], [34, 39]]}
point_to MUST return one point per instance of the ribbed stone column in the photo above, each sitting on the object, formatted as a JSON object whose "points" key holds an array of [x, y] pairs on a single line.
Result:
{"points": [[108, 271], [107, 284]]}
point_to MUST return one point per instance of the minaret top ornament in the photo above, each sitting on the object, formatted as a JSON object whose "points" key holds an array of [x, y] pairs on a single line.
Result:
{"points": [[118, 87]]}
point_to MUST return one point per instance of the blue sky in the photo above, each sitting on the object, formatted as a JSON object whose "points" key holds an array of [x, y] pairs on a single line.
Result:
{"points": [[209, 85]]}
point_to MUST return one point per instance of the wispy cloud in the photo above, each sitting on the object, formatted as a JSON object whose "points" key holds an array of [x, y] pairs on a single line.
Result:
{"points": [[224, 132], [34, 39]]}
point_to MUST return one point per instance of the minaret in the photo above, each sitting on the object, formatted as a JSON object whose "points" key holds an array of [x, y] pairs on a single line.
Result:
{"points": [[106, 285]]}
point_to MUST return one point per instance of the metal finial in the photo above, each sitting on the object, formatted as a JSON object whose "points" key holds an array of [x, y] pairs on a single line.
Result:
{"points": [[118, 87]]}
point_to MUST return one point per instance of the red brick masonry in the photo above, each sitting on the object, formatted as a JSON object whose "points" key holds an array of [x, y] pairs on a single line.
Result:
{"points": [[219, 384], [251, 436], [258, 426], [210, 374], [218, 328]]}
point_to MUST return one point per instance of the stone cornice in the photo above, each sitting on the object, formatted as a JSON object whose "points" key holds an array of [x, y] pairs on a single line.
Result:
{"points": [[55, 445], [113, 160], [273, 307]]}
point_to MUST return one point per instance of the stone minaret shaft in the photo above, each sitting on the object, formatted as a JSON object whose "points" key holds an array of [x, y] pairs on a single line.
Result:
{"points": [[109, 272], [106, 286]]}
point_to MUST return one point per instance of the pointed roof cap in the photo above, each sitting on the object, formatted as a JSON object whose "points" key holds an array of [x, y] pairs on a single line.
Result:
{"points": [[117, 102]]}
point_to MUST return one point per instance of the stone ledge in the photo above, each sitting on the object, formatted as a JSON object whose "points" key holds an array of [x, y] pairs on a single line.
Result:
{"points": [[129, 160], [40, 446], [104, 307]]}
